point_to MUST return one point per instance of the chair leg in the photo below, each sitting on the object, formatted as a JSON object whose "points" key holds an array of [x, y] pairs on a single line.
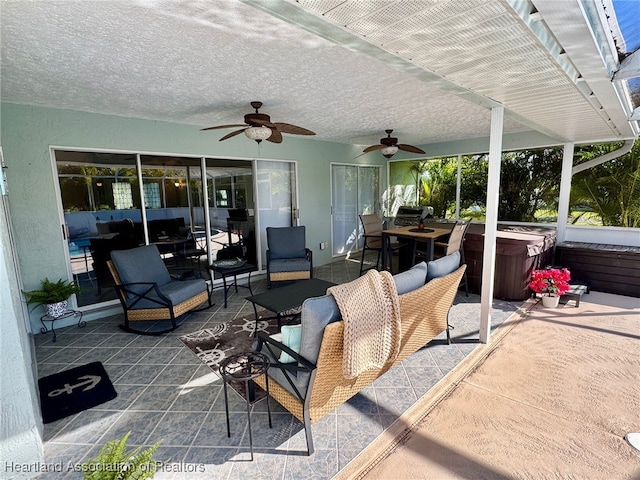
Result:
{"points": [[466, 283], [307, 431]]}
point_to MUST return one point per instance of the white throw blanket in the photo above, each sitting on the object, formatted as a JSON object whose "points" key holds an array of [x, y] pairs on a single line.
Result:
{"points": [[371, 313]]}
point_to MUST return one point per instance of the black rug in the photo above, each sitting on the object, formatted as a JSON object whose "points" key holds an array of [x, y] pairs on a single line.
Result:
{"points": [[212, 345], [74, 390]]}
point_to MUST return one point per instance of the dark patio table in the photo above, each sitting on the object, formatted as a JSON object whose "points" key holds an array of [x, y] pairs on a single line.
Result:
{"points": [[281, 300]]}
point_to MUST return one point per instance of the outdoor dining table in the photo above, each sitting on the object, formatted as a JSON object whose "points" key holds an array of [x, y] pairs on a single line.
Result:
{"points": [[414, 235]]}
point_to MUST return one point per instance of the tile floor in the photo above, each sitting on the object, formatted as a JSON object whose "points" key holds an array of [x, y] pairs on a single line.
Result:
{"points": [[165, 393]]}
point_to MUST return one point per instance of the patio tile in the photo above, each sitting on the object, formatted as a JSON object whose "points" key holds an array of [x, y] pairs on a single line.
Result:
{"points": [[174, 374], [67, 355], [60, 457], [138, 374], [213, 432], [364, 402], [127, 356], [265, 465], [88, 426], [178, 428], [159, 355], [357, 431], [127, 394], [155, 398], [140, 424], [98, 354], [196, 399], [207, 463], [394, 401]]}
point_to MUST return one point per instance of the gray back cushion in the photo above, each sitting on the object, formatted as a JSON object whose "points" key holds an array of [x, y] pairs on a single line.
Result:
{"points": [[443, 266], [141, 264], [411, 279], [286, 242]]}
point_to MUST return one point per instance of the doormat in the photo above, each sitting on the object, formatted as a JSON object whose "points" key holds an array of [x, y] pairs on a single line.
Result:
{"points": [[74, 390], [214, 344]]}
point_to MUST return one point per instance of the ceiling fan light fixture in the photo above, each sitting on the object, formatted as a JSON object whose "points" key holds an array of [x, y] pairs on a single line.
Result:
{"points": [[258, 133], [389, 151]]}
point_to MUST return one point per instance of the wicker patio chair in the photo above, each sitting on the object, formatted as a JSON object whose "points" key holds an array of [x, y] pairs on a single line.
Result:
{"points": [[288, 258], [147, 292]]}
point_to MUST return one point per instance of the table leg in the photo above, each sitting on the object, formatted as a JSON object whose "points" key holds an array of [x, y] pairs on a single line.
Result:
{"points": [[432, 246], [249, 419], [255, 313], [224, 286], [226, 407], [266, 383]]}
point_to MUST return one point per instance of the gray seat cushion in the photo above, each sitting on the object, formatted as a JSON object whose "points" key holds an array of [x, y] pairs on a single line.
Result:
{"points": [[144, 264], [176, 291], [443, 266]]}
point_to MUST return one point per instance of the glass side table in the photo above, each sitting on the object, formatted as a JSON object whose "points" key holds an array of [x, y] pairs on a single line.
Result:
{"points": [[244, 367], [67, 314]]}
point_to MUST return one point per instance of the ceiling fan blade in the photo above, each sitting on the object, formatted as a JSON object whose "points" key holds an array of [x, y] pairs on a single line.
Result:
{"points": [[232, 134], [373, 148], [263, 123], [292, 129], [276, 136], [225, 126], [409, 148]]}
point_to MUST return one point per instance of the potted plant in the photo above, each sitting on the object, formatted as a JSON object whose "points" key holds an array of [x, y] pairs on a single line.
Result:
{"points": [[550, 283], [114, 462], [53, 295]]}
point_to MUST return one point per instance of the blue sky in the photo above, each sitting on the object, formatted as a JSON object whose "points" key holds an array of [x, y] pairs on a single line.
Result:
{"points": [[628, 14]]}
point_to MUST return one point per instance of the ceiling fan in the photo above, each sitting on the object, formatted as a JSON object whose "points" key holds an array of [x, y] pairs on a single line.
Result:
{"points": [[258, 126], [389, 146]]}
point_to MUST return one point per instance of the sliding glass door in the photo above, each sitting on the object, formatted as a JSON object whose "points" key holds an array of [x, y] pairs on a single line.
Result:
{"points": [[355, 190], [277, 196], [117, 201]]}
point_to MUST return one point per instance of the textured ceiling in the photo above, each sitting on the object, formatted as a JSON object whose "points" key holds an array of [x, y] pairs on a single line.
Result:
{"points": [[347, 70]]}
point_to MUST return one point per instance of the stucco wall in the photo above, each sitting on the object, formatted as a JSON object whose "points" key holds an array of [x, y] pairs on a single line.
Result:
{"points": [[20, 421]]}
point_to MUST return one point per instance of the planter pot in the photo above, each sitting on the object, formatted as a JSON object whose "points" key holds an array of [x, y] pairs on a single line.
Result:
{"points": [[550, 302], [56, 310]]}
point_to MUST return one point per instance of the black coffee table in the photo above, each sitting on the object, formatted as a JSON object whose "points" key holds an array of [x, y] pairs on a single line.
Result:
{"points": [[282, 300]]}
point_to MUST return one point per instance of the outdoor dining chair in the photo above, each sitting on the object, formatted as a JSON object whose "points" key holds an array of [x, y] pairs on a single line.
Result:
{"points": [[372, 228]]}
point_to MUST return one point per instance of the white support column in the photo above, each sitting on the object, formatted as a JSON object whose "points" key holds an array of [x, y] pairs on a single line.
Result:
{"points": [[565, 190], [143, 207], [207, 214], [458, 186], [491, 222]]}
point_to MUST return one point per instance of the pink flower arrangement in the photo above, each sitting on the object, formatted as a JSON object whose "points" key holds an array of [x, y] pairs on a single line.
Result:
{"points": [[550, 282]]}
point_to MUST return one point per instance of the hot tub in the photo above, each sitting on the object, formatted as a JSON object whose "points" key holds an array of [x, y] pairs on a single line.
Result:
{"points": [[519, 251]]}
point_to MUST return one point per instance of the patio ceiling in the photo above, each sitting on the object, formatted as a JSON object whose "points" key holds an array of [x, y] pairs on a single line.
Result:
{"points": [[429, 69]]}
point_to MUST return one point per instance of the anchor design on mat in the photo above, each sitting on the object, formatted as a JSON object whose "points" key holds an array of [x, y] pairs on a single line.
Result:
{"points": [[89, 382]]}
